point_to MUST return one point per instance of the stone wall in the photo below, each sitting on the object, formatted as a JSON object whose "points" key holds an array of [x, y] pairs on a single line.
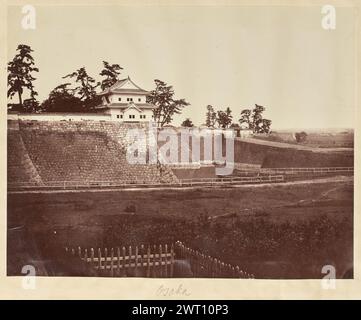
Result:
{"points": [[83, 151], [20, 168]]}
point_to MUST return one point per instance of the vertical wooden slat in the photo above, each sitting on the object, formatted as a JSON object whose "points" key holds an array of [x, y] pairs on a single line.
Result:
{"points": [[123, 262], [187, 255], [231, 271], [136, 260], [202, 265], [142, 258], [237, 271], [118, 261], [160, 261], [85, 258], [171, 260], [92, 257], [210, 267], [196, 262], [214, 268], [166, 260], [105, 261], [130, 260], [99, 260], [154, 269], [193, 265], [112, 262], [148, 261]]}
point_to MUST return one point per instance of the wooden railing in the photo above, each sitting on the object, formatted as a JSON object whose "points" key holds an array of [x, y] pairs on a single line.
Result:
{"points": [[308, 170], [264, 175], [146, 184], [206, 266], [155, 261], [140, 261]]}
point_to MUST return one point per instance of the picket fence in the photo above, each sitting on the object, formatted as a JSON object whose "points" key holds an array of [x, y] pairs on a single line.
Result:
{"points": [[206, 266], [150, 261], [154, 261]]}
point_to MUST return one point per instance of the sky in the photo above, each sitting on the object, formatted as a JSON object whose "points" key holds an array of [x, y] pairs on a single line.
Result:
{"points": [[278, 57]]}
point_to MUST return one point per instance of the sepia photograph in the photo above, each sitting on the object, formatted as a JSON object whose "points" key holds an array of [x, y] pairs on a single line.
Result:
{"points": [[181, 141]]}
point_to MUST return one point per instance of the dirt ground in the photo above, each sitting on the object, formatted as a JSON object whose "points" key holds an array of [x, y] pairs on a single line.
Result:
{"points": [[103, 218]]}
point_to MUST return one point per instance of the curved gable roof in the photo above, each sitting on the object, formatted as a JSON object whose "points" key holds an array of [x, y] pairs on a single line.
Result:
{"points": [[124, 85]]}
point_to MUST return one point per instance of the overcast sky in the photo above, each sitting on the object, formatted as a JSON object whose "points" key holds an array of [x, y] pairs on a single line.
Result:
{"points": [[279, 57]]}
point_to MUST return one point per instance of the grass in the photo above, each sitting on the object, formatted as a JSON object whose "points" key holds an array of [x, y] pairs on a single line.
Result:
{"points": [[272, 231]]}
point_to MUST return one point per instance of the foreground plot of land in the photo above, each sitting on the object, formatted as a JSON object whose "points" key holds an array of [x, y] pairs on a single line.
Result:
{"points": [[274, 231]]}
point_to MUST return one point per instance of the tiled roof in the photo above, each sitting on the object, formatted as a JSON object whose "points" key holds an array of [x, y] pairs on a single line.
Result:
{"points": [[117, 87]]}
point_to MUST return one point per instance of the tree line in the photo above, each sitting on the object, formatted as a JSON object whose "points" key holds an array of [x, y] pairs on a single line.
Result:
{"points": [[79, 91], [250, 119]]}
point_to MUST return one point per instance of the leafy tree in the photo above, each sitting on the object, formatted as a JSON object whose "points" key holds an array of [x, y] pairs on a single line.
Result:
{"points": [[187, 123], [253, 119], [31, 105], [111, 73], [246, 118], [162, 97], [265, 126], [20, 77], [237, 128], [211, 117], [224, 118], [301, 136], [62, 99], [86, 88]]}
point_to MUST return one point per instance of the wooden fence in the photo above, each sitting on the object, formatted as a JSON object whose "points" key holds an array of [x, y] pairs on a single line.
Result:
{"points": [[154, 261], [206, 266], [241, 176], [307, 170], [150, 261], [200, 182]]}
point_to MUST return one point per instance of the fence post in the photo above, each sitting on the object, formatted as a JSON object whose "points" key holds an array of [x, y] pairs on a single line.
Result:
{"points": [[166, 261], [92, 257], [111, 263], [123, 262], [238, 273], [154, 269], [201, 266], [214, 268], [118, 261], [85, 255], [99, 260], [105, 260], [233, 272], [196, 263], [160, 261], [130, 259], [148, 262], [141, 253], [171, 260], [221, 269], [136, 260]]}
